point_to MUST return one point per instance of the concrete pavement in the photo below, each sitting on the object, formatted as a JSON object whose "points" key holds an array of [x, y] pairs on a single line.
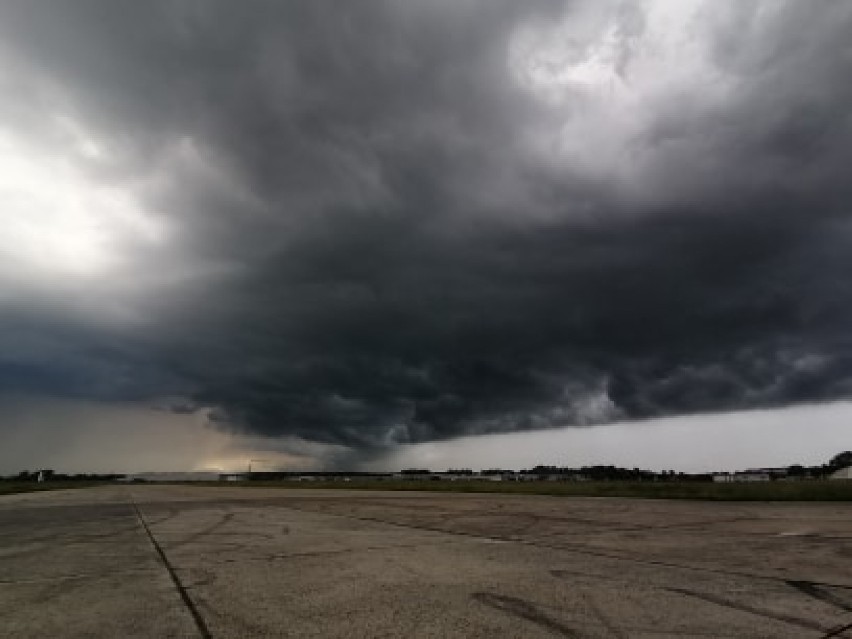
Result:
{"points": [[182, 561]]}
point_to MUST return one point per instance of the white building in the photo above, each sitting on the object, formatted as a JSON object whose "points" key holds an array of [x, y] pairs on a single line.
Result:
{"points": [[843, 473], [752, 475], [757, 474]]}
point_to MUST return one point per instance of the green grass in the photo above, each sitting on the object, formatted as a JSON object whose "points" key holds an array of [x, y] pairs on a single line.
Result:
{"points": [[10, 487], [759, 491]]}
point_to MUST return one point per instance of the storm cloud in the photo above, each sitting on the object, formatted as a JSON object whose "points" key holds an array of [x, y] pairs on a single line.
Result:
{"points": [[378, 223]]}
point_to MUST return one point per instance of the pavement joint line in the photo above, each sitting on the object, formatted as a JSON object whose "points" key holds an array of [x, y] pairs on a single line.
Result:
{"points": [[203, 630]]}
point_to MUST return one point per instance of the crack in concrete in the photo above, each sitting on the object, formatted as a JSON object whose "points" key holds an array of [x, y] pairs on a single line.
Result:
{"points": [[760, 612], [572, 549], [73, 576], [339, 551], [836, 632], [200, 624], [604, 618], [816, 591], [525, 610], [223, 520]]}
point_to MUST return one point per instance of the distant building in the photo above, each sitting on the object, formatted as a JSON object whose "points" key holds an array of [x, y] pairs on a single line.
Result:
{"points": [[303, 475], [751, 476], [843, 473], [779, 472], [411, 475], [755, 474], [171, 476], [233, 476]]}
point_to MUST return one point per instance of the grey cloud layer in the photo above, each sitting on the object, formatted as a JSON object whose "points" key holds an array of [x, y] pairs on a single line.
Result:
{"points": [[378, 233]]}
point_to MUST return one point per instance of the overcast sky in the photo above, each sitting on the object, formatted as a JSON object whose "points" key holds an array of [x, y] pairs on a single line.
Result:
{"points": [[347, 233]]}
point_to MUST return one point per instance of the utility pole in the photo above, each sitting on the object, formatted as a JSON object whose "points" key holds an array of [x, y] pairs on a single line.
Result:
{"points": [[254, 460]]}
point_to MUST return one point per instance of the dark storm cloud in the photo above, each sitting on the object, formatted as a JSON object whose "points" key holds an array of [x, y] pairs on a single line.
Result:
{"points": [[370, 243]]}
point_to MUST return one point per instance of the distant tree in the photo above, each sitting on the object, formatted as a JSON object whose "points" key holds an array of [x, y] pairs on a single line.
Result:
{"points": [[841, 460], [796, 470]]}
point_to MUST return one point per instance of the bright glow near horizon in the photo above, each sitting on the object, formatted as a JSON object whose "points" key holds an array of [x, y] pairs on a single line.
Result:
{"points": [[88, 437]]}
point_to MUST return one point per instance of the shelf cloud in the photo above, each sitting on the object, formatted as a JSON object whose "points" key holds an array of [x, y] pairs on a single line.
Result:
{"points": [[376, 223]]}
